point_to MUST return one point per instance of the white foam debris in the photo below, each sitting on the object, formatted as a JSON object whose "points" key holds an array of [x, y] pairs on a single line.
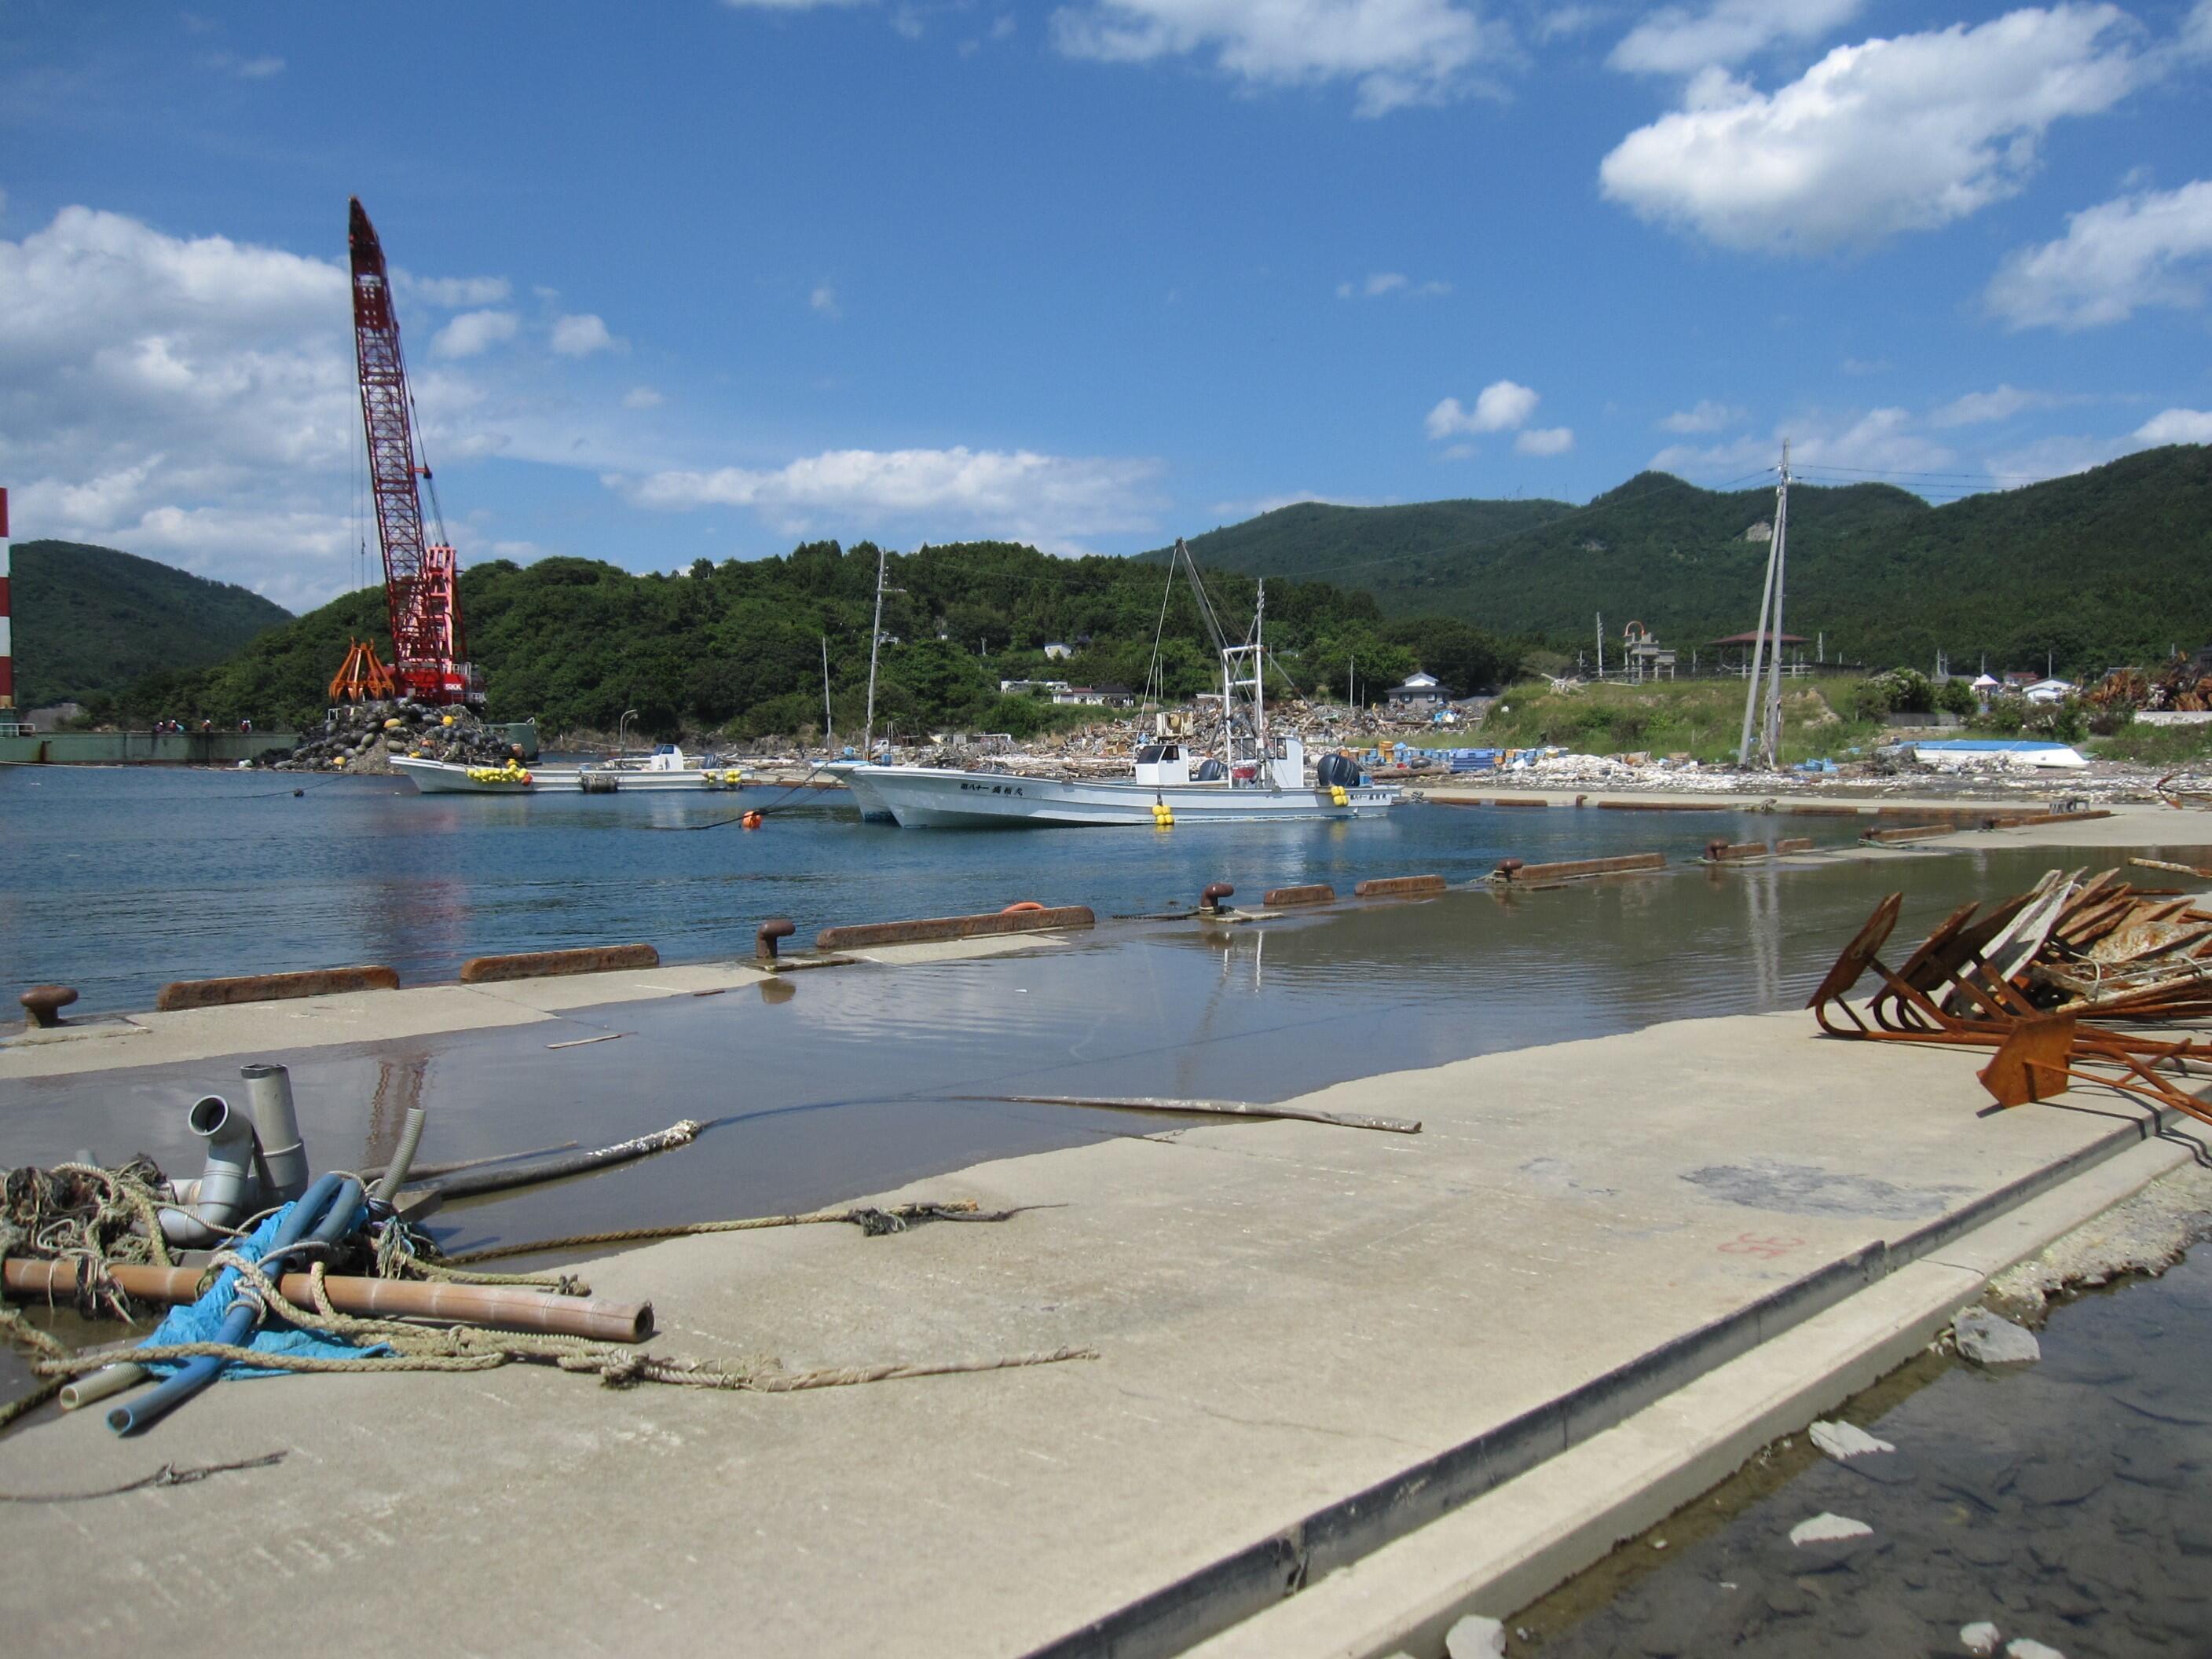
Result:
{"points": [[1979, 1638], [1475, 1638], [1826, 1528], [1845, 1441], [2022, 1647]]}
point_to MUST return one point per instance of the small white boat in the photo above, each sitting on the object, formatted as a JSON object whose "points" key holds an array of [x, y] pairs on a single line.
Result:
{"points": [[666, 768], [2023, 753], [1257, 777]]}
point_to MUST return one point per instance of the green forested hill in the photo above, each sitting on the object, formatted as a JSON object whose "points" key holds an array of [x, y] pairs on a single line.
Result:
{"points": [[739, 645], [1315, 539], [89, 621], [2107, 566]]}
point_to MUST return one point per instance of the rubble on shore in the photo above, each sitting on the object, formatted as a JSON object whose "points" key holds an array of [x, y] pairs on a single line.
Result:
{"points": [[363, 737]]}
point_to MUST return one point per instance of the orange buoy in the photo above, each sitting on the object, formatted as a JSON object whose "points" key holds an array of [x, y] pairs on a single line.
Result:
{"points": [[1020, 905], [751, 819]]}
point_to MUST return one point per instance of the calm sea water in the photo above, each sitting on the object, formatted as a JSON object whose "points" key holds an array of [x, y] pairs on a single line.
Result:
{"points": [[116, 880]]}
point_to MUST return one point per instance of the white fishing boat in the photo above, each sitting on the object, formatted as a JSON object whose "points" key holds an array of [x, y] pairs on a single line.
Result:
{"points": [[1258, 775], [667, 768]]}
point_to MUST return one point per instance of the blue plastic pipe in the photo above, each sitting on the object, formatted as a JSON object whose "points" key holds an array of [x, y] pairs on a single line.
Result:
{"points": [[327, 1211]]}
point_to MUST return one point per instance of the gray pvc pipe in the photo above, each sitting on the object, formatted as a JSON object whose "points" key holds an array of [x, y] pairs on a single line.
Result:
{"points": [[276, 1125], [395, 1174], [98, 1385], [226, 1185]]}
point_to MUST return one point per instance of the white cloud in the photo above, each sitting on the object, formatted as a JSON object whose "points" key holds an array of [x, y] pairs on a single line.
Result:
{"points": [[1545, 441], [453, 292], [1564, 22], [2178, 426], [1875, 440], [824, 300], [1051, 499], [1397, 52], [2197, 31], [260, 69], [643, 396], [1499, 407], [1980, 408], [1382, 283], [1704, 415], [1875, 139], [192, 399], [2150, 249], [473, 333], [579, 337], [1676, 41]]}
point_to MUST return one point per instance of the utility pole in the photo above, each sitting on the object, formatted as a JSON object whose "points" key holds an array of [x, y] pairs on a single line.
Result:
{"points": [[1767, 605], [829, 724], [1781, 582], [1601, 645]]}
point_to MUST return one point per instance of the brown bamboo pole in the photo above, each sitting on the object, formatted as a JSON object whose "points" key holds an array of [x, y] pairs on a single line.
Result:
{"points": [[498, 1306]]}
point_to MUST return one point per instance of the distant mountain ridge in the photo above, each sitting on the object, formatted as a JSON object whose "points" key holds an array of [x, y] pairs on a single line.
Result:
{"points": [[2110, 565], [90, 621]]}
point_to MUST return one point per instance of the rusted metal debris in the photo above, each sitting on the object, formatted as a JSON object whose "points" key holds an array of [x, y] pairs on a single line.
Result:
{"points": [[2043, 979]]}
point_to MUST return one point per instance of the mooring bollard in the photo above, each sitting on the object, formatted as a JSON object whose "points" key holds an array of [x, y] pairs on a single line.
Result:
{"points": [[1209, 901], [1509, 868], [1716, 850], [774, 928], [45, 1003]]}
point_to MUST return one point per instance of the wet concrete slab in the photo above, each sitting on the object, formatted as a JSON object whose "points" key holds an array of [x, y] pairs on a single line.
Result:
{"points": [[1284, 1315]]}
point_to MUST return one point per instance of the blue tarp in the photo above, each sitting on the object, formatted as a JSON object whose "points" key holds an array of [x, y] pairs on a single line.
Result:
{"points": [[1989, 745], [202, 1321]]}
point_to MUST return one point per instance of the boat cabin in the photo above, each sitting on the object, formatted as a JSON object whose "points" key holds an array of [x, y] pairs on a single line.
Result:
{"points": [[665, 757], [1162, 763]]}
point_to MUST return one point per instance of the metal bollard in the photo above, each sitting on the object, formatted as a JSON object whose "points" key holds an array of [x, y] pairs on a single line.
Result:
{"points": [[774, 928], [1209, 901], [45, 1003]]}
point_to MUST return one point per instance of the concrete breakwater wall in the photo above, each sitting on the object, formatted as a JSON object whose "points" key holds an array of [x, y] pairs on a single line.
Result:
{"points": [[141, 748]]}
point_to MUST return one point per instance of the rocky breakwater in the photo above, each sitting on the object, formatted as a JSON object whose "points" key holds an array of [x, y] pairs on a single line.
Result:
{"points": [[363, 737]]}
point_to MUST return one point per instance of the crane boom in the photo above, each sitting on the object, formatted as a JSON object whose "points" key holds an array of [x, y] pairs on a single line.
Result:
{"points": [[421, 576]]}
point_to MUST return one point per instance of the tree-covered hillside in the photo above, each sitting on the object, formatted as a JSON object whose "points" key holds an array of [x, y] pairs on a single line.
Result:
{"points": [[2107, 566], [89, 621], [739, 645]]}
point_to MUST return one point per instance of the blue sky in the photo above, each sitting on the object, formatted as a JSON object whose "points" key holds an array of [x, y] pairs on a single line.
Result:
{"points": [[702, 278]]}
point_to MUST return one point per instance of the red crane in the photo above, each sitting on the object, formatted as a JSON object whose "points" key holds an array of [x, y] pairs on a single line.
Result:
{"points": [[420, 577]]}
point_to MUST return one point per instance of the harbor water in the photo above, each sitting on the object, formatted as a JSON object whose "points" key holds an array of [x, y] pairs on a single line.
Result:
{"points": [[2065, 1503], [118, 880]]}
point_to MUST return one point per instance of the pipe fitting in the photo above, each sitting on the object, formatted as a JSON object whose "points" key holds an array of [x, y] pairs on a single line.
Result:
{"points": [[774, 928], [277, 1127], [226, 1185]]}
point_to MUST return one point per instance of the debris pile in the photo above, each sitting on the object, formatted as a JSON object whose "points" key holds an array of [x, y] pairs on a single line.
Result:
{"points": [[310, 1273], [2025, 979], [363, 737], [2178, 686]]}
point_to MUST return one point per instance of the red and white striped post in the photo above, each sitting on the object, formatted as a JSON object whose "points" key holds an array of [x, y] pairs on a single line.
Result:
{"points": [[6, 644]]}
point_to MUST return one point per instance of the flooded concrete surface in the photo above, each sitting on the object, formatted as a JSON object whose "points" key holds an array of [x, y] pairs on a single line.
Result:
{"points": [[2068, 1503], [837, 1082]]}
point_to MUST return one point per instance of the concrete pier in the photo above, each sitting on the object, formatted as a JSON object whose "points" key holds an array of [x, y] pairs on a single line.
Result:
{"points": [[1387, 1378]]}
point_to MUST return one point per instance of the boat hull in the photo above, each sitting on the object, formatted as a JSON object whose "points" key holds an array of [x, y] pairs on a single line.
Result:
{"points": [[937, 798], [445, 778]]}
